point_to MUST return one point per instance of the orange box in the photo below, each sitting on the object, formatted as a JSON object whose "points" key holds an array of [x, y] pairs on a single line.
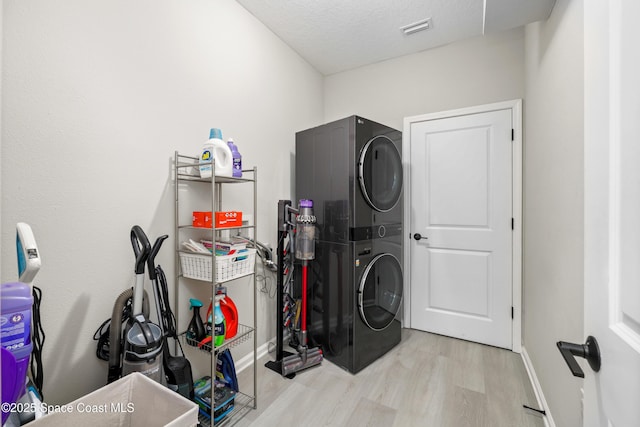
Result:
{"points": [[202, 219], [228, 219]]}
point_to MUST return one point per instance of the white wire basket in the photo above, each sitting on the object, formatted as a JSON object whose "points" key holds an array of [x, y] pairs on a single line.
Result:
{"points": [[228, 267]]}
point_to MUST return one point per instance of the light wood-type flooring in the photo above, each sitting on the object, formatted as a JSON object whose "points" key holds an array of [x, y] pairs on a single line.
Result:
{"points": [[427, 380]]}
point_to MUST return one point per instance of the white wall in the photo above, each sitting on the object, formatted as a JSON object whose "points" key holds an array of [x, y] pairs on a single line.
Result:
{"points": [[553, 206], [477, 71], [96, 96]]}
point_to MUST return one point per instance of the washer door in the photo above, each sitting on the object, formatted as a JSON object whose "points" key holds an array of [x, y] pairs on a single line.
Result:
{"points": [[380, 291], [380, 173]]}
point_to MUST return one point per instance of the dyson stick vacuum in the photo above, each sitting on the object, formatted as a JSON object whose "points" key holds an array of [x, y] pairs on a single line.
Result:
{"points": [[304, 251]]}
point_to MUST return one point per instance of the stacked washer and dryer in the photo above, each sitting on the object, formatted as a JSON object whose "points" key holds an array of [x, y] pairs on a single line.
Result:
{"points": [[352, 170]]}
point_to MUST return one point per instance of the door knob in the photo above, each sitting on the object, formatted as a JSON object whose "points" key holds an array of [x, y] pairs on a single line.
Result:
{"points": [[418, 236], [589, 350]]}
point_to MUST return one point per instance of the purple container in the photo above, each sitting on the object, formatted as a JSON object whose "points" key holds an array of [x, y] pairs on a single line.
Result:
{"points": [[305, 203], [237, 158], [10, 386], [15, 326]]}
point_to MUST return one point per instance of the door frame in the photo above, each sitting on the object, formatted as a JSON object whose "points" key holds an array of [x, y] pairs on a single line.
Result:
{"points": [[516, 237]]}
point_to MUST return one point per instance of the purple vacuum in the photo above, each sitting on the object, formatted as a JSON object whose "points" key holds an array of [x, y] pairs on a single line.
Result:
{"points": [[22, 335], [15, 323]]}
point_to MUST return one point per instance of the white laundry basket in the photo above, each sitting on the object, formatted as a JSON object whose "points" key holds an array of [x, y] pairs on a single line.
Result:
{"points": [[132, 401]]}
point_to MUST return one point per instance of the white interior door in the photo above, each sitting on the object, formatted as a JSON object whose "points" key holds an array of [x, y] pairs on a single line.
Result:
{"points": [[612, 210], [461, 226]]}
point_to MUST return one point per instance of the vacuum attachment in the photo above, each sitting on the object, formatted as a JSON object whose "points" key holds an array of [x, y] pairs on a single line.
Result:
{"points": [[304, 359]]}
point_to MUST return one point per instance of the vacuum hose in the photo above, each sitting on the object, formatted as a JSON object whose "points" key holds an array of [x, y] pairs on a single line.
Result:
{"points": [[115, 331]]}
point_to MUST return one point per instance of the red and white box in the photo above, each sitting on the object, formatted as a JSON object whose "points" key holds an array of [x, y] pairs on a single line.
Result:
{"points": [[228, 219], [202, 219]]}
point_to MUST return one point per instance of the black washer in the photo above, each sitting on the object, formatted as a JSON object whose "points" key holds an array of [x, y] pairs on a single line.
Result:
{"points": [[380, 291]]}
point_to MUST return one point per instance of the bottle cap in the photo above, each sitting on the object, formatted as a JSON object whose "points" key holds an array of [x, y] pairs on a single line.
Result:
{"points": [[215, 133], [195, 302]]}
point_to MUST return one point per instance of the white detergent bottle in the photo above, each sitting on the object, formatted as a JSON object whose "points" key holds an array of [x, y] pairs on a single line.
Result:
{"points": [[217, 150]]}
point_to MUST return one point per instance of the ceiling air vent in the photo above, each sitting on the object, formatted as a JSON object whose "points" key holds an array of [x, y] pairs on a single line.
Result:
{"points": [[425, 24]]}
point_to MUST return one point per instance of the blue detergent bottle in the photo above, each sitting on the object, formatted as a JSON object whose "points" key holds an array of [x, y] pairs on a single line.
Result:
{"points": [[220, 324], [237, 158]]}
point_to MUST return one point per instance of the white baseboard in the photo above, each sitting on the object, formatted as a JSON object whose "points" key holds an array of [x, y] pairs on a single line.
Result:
{"points": [[537, 389], [247, 360]]}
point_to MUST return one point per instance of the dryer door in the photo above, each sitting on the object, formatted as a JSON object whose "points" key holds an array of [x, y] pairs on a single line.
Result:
{"points": [[380, 291], [380, 173]]}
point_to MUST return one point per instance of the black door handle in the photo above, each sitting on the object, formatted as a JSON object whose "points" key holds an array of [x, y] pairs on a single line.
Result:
{"points": [[418, 236], [589, 350]]}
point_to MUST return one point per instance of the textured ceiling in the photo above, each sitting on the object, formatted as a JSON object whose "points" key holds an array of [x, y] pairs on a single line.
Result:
{"points": [[338, 35]]}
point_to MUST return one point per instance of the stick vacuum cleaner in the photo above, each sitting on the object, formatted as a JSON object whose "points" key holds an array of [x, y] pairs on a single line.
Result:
{"points": [[304, 251]]}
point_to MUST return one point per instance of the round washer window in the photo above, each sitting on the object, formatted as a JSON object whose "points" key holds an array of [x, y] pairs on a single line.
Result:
{"points": [[380, 291], [380, 173]]}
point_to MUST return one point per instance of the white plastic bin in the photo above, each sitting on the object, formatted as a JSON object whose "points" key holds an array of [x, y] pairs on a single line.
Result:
{"points": [[132, 401]]}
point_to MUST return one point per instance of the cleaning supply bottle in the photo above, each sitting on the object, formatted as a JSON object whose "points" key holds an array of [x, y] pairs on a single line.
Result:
{"points": [[237, 158], [215, 149], [220, 325], [195, 331], [208, 327]]}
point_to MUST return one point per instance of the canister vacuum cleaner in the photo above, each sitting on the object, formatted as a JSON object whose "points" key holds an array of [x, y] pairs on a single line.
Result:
{"points": [[143, 340], [129, 341], [302, 244]]}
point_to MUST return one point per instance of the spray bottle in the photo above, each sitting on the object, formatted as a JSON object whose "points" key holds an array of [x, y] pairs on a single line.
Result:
{"points": [[195, 331]]}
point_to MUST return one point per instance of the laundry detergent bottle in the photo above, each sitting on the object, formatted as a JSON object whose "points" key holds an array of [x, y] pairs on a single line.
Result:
{"points": [[220, 325], [237, 158], [215, 154], [208, 327], [195, 331]]}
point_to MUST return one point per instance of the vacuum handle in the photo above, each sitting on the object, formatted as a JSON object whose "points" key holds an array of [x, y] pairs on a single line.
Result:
{"points": [[141, 247], [145, 329], [152, 256]]}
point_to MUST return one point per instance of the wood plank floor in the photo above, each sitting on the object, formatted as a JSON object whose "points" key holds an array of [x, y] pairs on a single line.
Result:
{"points": [[427, 380]]}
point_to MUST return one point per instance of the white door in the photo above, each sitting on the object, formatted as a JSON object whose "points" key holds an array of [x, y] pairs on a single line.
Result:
{"points": [[461, 226], [612, 211]]}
